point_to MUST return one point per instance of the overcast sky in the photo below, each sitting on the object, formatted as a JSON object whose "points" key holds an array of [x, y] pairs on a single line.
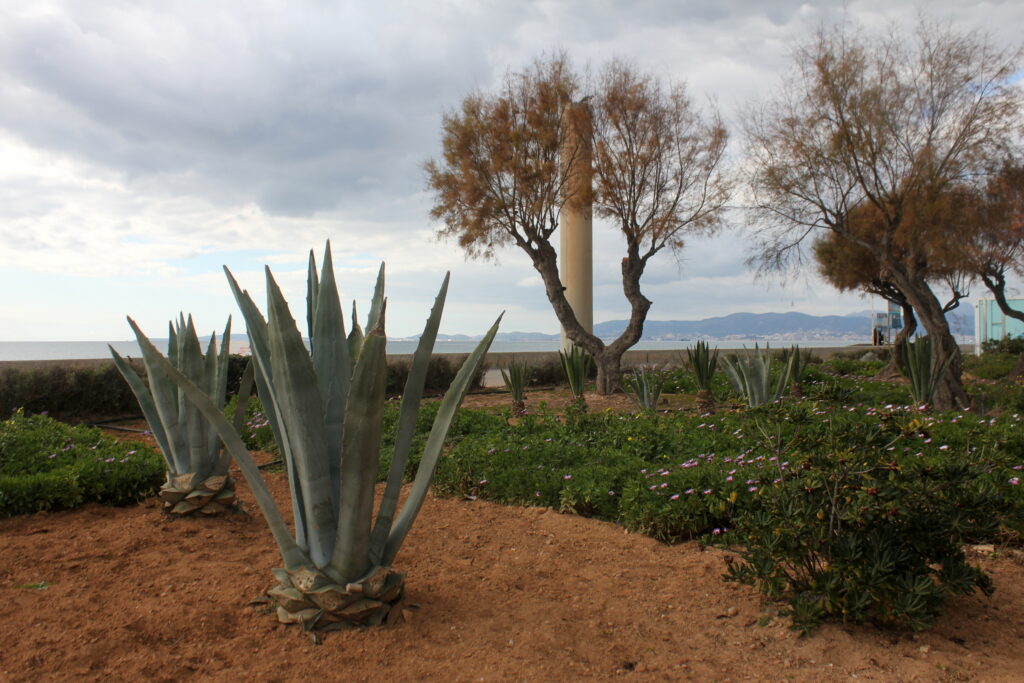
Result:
{"points": [[145, 144]]}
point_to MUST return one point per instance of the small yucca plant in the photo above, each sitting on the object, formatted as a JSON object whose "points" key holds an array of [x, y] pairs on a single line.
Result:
{"points": [[515, 377], [751, 376], [644, 387], [576, 364], [197, 466], [922, 369], [327, 413], [703, 362], [797, 363]]}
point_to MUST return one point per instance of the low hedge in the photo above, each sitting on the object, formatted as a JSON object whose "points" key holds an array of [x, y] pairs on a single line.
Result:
{"points": [[48, 465]]}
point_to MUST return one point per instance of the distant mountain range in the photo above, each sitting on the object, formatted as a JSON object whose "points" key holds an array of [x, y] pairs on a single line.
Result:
{"points": [[772, 326]]}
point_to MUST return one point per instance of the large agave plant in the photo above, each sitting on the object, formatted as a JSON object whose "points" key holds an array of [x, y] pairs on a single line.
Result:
{"points": [[751, 376], [326, 412], [197, 465]]}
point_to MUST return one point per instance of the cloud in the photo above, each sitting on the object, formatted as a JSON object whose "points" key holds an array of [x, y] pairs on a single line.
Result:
{"points": [[147, 143]]}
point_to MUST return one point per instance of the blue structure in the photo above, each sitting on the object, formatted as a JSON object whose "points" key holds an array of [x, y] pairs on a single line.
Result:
{"points": [[883, 324], [990, 323]]}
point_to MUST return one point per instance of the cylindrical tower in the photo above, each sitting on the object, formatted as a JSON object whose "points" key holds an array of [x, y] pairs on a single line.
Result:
{"points": [[576, 222]]}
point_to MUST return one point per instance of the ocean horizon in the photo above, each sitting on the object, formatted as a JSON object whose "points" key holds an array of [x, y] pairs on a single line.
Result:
{"points": [[86, 350]]}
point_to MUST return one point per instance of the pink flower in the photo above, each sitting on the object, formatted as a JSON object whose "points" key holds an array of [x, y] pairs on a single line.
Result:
{"points": [[1014, 480]]}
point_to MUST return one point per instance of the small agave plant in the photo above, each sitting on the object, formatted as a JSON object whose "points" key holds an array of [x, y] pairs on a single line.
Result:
{"points": [[751, 376], [516, 376], [197, 465], [797, 362], [326, 412], [703, 362]]}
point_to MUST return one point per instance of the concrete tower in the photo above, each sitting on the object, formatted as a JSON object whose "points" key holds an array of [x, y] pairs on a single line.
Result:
{"points": [[576, 223]]}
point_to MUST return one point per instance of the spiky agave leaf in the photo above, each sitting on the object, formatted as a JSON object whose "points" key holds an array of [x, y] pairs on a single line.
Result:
{"points": [[301, 408], [408, 414], [256, 329], [360, 456], [435, 442]]}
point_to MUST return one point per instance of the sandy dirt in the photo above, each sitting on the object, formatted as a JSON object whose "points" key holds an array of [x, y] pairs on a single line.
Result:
{"points": [[502, 594]]}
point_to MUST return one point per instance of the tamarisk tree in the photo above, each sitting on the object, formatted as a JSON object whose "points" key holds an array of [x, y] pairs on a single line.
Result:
{"points": [[511, 163], [891, 123]]}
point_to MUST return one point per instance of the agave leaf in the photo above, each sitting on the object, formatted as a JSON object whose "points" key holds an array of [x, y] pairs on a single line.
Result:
{"points": [[256, 328], [435, 442], [302, 409], [165, 400], [333, 366], [293, 557], [192, 364], [355, 336], [377, 302], [219, 396], [312, 294], [360, 457], [408, 414], [141, 391], [244, 392]]}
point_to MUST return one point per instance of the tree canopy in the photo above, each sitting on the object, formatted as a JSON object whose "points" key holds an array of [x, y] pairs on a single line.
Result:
{"points": [[890, 128], [507, 165]]}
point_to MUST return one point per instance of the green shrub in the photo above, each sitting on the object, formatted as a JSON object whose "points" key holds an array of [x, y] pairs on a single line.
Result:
{"points": [[990, 365], [256, 431], [857, 535], [842, 366], [67, 393], [440, 373], [1011, 345], [45, 464]]}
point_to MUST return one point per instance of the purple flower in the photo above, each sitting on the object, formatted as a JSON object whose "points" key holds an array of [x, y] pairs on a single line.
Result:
{"points": [[1014, 480], [109, 460], [674, 496], [52, 456], [752, 489], [707, 492], [716, 531], [568, 476], [611, 493], [688, 491]]}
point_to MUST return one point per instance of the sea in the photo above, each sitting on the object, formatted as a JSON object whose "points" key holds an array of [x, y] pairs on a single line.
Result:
{"points": [[75, 350]]}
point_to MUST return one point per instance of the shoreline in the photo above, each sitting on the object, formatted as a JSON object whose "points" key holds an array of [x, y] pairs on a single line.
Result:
{"points": [[494, 359]]}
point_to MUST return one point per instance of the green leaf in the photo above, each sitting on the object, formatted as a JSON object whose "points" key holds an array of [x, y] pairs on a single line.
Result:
{"points": [[408, 414], [301, 408], [435, 442], [360, 456]]}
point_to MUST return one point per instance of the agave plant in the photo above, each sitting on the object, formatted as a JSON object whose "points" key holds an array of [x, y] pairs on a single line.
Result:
{"points": [[515, 377], [576, 364], [327, 413], [644, 387], [197, 465], [797, 363], [921, 369], [751, 376], [704, 362]]}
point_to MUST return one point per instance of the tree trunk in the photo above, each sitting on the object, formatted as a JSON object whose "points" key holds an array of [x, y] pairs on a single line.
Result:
{"points": [[608, 359], [609, 372], [949, 394]]}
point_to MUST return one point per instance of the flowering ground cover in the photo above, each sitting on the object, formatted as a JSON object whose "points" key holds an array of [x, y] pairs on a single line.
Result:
{"points": [[46, 464]]}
